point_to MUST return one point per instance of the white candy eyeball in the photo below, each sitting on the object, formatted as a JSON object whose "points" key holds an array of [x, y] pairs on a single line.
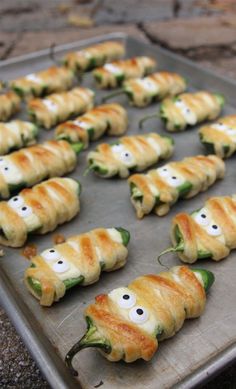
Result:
{"points": [[61, 266], [126, 156], [2, 161], [24, 211], [202, 217], [127, 300], [174, 181], [117, 148], [50, 255], [16, 202], [231, 132], [214, 230], [138, 315], [163, 171]]}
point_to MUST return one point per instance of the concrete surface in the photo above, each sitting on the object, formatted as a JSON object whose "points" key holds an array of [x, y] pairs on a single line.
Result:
{"points": [[203, 30]]}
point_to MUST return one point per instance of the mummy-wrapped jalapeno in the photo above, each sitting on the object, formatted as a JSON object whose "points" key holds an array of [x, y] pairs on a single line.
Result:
{"points": [[109, 118], [53, 79], [209, 232], [27, 167], [93, 56], [39, 209], [9, 105], [130, 153], [144, 91], [60, 106], [157, 190], [78, 261], [113, 74], [16, 134], [129, 322], [220, 137]]}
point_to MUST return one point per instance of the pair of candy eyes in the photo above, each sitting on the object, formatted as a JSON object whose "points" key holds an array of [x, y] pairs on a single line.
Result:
{"points": [[60, 266], [212, 229], [170, 178], [183, 106], [228, 130], [124, 154], [137, 314], [17, 203]]}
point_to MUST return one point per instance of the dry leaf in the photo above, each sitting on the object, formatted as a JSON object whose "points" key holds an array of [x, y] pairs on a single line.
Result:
{"points": [[80, 21]]}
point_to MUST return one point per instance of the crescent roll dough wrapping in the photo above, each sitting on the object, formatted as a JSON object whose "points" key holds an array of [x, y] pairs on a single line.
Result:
{"points": [[93, 56], [159, 189], [40, 209], [60, 106], [79, 260], [220, 137], [129, 153], [113, 74], [129, 322], [9, 105], [16, 134], [53, 79], [109, 118], [209, 232], [190, 109], [33, 164]]}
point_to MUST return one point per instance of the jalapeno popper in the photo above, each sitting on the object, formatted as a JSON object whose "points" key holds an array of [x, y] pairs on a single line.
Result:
{"points": [[129, 322], [220, 137], [16, 134], [60, 106], [144, 91], [130, 153], [157, 190], [188, 109], [78, 261], [93, 56], [53, 79], [109, 118], [209, 232], [9, 105], [38, 210], [27, 167], [113, 74]]}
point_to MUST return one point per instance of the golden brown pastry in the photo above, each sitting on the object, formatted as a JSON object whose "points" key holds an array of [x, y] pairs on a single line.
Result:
{"points": [[78, 261], [16, 134], [9, 105], [129, 322], [157, 190], [40, 210]]}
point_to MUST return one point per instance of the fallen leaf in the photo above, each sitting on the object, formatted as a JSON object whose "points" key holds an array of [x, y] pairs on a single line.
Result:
{"points": [[80, 21]]}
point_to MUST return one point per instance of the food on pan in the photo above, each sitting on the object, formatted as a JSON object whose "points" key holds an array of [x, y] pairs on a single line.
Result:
{"points": [[16, 134], [97, 55], [9, 105], [129, 322], [209, 232], [113, 74], [157, 190], [110, 119], [78, 261], [144, 91], [28, 166], [189, 109], [58, 107], [130, 153], [53, 79], [220, 137], [38, 210]]}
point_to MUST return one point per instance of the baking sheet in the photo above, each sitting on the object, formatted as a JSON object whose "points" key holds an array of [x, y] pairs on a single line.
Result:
{"points": [[203, 345]]}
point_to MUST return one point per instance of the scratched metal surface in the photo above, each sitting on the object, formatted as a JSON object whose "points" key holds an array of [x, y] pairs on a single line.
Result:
{"points": [[203, 345]]}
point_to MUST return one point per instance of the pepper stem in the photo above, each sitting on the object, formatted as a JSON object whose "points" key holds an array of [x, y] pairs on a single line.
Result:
{"points": [[113, 94], [155, 115], [77, 147], [88, 169], [52, 54], [168, 250], [92, 338]]}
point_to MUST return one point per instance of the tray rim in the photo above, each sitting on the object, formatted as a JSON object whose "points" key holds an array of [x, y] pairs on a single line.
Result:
{"points": [[58, 376]]}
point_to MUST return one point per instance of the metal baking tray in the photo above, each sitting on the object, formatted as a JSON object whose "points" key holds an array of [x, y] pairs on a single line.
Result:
{"points": [[204, 345]]}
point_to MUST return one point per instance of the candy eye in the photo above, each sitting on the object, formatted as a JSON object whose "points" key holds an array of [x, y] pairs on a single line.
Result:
{"points": [[202, 217], [24, 211], [117, 148], [164, 172], [126, 156], [175, 181], [138, 315], [127, 300], [2, 161], [231, 131], [214, 230], [50, 255], [61, 266], [16, 202]]}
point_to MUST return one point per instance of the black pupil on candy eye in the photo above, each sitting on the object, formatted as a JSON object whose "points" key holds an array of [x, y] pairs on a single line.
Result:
{"points": [[215, 227], [174, 178], [52, 251], [203, 216], [15, 199], [60, 262], [139, 311], [6, 168], [126, 297], [127, 154], [24, 208]]}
